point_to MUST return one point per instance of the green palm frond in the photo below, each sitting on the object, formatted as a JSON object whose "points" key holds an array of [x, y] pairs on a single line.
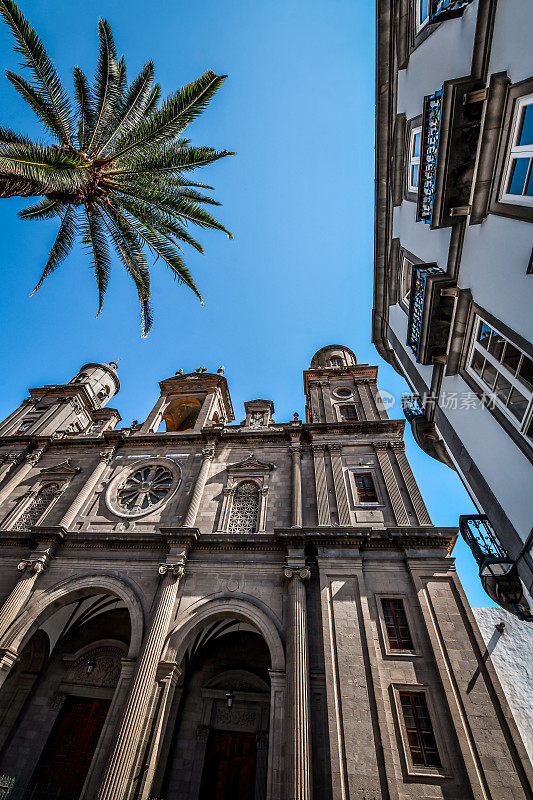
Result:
{"points": [[177, 111], [133, 108], [44, 209], [121, 175], [37, 61], [94, 238], [62, 245], [86, 109]]}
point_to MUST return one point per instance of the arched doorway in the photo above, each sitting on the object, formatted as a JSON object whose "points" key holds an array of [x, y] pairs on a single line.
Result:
{"points": [[218, 748], [54, 737]]}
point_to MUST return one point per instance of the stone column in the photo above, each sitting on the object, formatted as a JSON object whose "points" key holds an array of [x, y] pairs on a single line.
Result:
{"points": [[105, 459], [208, 454], [27, 465], [299, 744], [296, 514], [340, 486], [116, 784], [322, 501], [398, 506], [366, 402], [411, 484], [30, 568], [11, 461]]}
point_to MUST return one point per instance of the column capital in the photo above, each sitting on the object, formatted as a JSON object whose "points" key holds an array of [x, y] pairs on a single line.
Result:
{"points": [[304, 573], [397, 445], [33, 457], [35, 565], [295, 450], [317, 448], [334, 447], [208, 452], [177, 570], [13, 458], [107, 455], [381, 445]]}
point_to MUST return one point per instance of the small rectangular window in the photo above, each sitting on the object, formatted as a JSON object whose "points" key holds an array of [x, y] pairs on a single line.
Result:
{"points": [[518, 178], [414, 159], [396, 625], [348, 412], [422, 13], [419, 730], [366, 492]]}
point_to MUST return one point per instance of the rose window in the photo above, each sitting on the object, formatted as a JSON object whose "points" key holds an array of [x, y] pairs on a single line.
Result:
{"points": [[144, 488], [245, 509]]}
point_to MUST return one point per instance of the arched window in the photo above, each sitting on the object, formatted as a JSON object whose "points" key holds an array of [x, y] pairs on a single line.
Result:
{"points": [[37, 507], [336, 361], [245, 508]]}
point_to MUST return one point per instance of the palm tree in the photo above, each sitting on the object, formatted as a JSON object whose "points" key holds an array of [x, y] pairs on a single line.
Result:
{"points": [[118, 173]]}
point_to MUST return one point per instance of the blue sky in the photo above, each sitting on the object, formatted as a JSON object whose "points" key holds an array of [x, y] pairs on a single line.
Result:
{"points": [[298, 108]]}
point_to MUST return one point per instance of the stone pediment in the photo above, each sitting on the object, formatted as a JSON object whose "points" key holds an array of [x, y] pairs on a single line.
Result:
{"points": [[250, 466], [64, 469]]}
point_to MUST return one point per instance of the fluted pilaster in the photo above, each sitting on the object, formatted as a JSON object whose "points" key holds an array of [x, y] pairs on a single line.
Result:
{"points": [[340, 484], [296, 515], [117, 776], [398, 506], [299, 773], [105, 458], [411, 484], [208, 454], [321, 486]]}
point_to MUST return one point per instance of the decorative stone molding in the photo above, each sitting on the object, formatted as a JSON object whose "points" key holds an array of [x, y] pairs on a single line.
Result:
{"points": [[36, 565], [57, 701], [247, 471], [135, 491]]}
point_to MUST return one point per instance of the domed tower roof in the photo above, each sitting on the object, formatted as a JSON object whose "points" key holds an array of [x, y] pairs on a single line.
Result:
{"points": [[333, 355]]}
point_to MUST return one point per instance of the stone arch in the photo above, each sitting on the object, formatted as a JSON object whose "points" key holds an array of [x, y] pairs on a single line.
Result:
{"points": [[239, 608], [42, 605]]}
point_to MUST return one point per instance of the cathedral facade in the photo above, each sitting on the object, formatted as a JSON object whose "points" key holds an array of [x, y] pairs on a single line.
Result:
{"points": [[197, 610]]}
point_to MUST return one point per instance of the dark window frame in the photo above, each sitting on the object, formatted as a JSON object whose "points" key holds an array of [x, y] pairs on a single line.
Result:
{"points": [[348, 407], [365, 476], [420, 733], [496, 206], [395, 620]]}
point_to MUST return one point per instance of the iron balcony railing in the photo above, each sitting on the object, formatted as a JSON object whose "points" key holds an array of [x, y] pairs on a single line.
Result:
{"points": [[479, 535], [416, 305], [412, 407], [441, 10], [429, 151]]}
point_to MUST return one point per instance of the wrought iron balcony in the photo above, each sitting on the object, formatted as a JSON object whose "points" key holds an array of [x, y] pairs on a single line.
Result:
{"points": [[441, 10], [412, 407], [429, 151], [424, 305], [450, 131], [498, 572]]}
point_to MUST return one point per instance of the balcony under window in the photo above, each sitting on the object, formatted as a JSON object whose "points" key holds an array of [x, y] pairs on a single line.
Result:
{"points": [[450, 131], [441, 10], [430, 313]]}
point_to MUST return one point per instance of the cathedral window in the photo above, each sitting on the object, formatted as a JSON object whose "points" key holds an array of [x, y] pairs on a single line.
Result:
{"points": [[366, 491], [419, 730], [245, 508], [396, 624], [36, 508], [336, 362], [348, 412], [144, 488]]}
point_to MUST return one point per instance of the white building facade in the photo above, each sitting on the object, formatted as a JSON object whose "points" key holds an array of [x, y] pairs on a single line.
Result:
{"points": [[453, 253]]}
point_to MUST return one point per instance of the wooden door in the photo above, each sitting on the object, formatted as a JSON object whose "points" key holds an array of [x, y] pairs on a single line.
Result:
{"points": [[70, 748], [229, 766]]}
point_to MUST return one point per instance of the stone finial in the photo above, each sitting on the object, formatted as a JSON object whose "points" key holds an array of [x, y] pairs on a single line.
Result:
{"points": [[179, 372], [201, 369], [220, 371], [296, 417]]}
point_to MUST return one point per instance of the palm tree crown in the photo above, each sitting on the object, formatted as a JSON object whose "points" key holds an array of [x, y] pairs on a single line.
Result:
{"points": [[118, 172]]}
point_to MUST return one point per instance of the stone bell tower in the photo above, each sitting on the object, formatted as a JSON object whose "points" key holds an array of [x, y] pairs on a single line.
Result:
{"points": [[338, 390], [68, 408]]}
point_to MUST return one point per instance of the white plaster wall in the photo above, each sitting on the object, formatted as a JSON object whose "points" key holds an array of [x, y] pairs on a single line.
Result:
{"points": [[511, 43], [398, 320], [511, 653], [495, 258], [445, 54], [418, 238], [505, 468]]}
